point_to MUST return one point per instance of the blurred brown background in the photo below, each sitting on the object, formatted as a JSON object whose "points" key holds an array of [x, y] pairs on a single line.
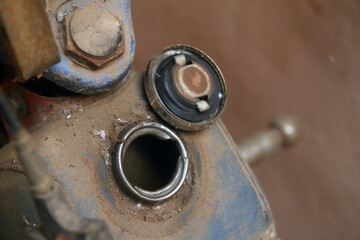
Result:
{"points": [[282, 56]]}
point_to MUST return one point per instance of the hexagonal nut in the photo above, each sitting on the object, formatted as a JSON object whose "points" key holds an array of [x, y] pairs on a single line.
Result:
{"points": [[80, 56], [192, 82]]}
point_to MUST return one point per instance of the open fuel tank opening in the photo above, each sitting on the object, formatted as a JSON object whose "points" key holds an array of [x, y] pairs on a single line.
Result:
{"points": [[151, 161]]}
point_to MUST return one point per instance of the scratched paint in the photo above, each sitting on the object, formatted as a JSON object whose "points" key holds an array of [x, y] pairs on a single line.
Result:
{"points": [[225, 201], [88, 81]]}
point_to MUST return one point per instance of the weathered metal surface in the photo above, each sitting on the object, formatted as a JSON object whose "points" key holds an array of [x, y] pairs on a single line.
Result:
{"points": [[97, 44], [283, 132], [219, 199], [165, 104], [173, 184], [95, 30], [28, 36], [36, 109], [40, 108], [192, 82], [73, 74]]}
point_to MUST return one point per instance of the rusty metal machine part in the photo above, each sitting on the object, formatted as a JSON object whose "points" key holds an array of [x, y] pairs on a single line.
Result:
{"points": [[192, 81], [96, 44], [220, 196], [179, 173], [283, 132], [216, 197], [28, 36], [185, 87], [94, 36], [51, 204], [95, 30]]}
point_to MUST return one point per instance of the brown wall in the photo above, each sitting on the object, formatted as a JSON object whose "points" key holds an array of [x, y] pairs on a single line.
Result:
{"points": [[282, 56]]}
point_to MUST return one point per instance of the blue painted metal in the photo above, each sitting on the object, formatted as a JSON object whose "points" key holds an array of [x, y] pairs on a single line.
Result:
{"points": [[225, 200], [237, 205], [88, 81]]}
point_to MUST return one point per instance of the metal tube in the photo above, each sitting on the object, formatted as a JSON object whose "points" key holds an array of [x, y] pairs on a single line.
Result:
{"points": [[39, 180], [260, 146], [283, 132]]}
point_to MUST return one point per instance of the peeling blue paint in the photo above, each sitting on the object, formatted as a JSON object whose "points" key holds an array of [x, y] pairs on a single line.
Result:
{"points": [[104, 182], [90, 156], [86, 81]]}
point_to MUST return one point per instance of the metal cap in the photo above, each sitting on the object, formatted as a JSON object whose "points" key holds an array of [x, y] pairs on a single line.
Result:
{"points": [[185, 87]]}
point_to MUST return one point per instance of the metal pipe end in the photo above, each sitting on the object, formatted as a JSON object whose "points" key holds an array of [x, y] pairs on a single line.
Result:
{"points": [[139, 174]]}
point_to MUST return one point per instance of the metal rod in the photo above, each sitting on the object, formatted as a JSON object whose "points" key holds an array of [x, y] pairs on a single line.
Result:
{"points": [[283, 132]]}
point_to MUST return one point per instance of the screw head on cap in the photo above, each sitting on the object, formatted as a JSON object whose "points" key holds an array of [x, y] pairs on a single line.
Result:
{"points": [[192, 82]]}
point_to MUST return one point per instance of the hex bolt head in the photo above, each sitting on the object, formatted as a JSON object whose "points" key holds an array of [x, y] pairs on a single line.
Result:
{"points": [[95, 30], [94, 34], [192, 82]]}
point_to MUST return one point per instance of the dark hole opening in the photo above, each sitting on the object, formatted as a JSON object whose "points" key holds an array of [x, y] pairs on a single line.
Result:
{"points": [[150, 162], [205, 98], [46, 88]]}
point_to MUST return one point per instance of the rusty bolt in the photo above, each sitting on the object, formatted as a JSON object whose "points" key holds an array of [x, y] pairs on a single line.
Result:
{"points": [[94, 35], [193, 83]]}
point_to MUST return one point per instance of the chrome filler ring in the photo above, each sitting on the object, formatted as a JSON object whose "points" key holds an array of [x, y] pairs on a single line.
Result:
{"points": [[163, 133]]}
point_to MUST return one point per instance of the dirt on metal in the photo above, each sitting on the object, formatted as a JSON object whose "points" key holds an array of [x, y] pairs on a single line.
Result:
{"points": [[80, 156], [127, 204], [78, 55], [31, 46]]}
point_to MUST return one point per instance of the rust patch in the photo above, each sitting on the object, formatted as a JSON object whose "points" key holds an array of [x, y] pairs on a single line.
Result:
{"points": [[192, 82], [78, 55]]}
